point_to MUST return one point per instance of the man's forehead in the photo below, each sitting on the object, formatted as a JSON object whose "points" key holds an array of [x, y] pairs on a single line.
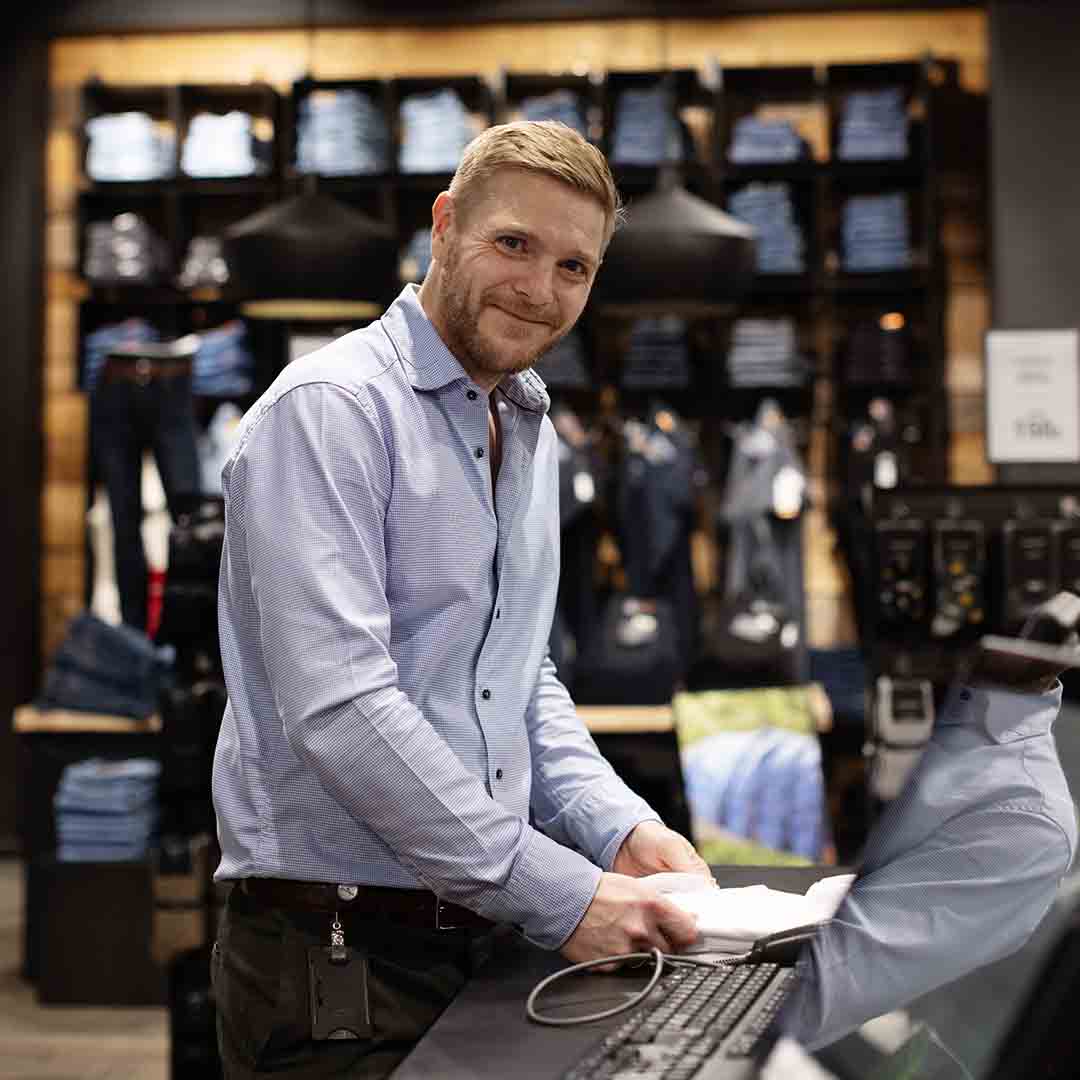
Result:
{"points": [[541, 205]]}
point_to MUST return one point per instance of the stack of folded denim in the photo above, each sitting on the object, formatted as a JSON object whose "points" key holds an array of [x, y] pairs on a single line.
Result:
{"points": [[764, 352], [562, 105], [101, 668], [874, 126], [129, 146], [769, 209], [435, 131], [646, 128], [876, 233], [765, 142], [416, 258], [659, 354], [99, 343], [341, 133], [123, 251], [220, 145], [106, 811], [204, 264], [564, 368], [224, 365]]}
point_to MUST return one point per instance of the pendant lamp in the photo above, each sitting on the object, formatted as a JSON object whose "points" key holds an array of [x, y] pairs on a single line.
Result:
{"points": [[309, 250], [676, 254]]}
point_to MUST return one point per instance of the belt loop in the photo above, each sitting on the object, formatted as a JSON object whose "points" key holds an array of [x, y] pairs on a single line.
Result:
{"points": [[439, 905]]}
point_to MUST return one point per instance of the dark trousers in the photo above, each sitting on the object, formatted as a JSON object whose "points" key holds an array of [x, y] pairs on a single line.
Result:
{"points": [[260, 980], [127, 418]]}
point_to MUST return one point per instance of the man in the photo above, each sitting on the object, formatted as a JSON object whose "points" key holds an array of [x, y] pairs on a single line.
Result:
{"points": [[399, 764]]}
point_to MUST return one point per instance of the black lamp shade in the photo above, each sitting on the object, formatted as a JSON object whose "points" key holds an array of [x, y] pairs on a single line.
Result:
{"points": [[676, 253], [311, 247]]}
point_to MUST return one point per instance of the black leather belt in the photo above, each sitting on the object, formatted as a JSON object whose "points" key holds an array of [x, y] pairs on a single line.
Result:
{"points": [[411, 907], [144, 371]]}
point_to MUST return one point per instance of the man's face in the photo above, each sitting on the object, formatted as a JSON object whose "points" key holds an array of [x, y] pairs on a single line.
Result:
{"points": [[513, 270]]}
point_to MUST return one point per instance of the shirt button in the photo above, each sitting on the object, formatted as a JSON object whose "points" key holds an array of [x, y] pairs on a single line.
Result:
{"points": [[479, 451], [471, 395], [498, 774], [485, 694]]}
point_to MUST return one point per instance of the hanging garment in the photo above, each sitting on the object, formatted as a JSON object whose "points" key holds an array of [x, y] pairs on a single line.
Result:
{"points": [[142, 402]]}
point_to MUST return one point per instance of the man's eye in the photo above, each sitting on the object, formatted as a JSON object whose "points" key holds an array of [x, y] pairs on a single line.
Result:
{"points": [[576, 268], [514, 243]]}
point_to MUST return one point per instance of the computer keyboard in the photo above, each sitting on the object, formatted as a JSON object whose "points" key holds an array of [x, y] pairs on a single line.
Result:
{"points": [[685, 1021]]}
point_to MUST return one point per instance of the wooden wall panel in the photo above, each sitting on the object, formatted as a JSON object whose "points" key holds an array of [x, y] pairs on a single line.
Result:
{"points": [[597, 46], [280, 57], [66, 423], [750, 41]]}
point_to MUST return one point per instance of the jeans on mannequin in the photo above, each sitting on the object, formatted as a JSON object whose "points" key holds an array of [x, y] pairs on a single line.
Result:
{"points": [[126, 419]]}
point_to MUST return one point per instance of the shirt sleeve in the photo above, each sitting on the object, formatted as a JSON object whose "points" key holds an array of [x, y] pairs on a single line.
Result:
{"points": [[577, 798], [307, 493], [959, 872]]}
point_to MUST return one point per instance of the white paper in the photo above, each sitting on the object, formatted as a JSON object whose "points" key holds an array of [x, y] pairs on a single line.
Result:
{"points": [[731, 920]]}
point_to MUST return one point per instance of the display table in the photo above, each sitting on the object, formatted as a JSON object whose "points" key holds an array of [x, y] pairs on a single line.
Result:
{"points": [[485, 1035], [109, 903]]}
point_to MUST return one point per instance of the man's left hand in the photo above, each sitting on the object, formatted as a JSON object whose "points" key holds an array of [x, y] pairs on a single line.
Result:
{"points": [[652, 848]]}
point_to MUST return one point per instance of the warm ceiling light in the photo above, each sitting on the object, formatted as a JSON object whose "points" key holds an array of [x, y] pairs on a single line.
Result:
{"points": [[892, 321]]}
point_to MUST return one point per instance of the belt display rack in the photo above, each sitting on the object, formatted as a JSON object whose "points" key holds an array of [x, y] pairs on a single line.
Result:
{"points": [[950, 565]]}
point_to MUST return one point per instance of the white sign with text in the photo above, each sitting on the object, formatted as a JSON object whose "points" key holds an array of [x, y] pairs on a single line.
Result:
{"points": [[1033, 395]]}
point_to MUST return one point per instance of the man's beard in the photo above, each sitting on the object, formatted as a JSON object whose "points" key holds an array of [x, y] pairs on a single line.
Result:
{"points": [[462, 328]]}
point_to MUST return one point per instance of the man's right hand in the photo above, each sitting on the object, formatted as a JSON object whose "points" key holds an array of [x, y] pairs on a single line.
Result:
{"points": [[626, 916]]}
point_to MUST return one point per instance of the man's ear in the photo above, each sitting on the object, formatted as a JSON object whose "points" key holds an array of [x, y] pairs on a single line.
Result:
{"points": [[442, 220]]}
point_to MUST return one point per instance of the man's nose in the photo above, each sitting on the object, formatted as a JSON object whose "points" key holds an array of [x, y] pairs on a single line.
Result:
{"points": [[535, 282]]}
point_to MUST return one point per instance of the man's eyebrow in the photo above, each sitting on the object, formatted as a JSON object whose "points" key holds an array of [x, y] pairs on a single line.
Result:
{"points": [[581, 256], [534, 237]]}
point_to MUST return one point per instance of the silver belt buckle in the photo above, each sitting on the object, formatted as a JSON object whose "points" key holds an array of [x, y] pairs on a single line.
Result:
{"points": [[439, 925], [348, 893]]}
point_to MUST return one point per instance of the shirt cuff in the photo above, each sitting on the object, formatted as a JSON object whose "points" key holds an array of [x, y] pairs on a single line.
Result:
{"points": [[608, 855], [548, 891], [1004, 715]]}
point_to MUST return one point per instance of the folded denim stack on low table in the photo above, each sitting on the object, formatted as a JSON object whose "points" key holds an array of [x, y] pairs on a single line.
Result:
{"points": [[874, 126], [106, 811], [658, 356], [646, 129], [221, 146], [435, 131], [876, 233], [129, 146], [341, 133], [764, 352], [101, 668], [769, 209], [562, 105], [765, 142]]}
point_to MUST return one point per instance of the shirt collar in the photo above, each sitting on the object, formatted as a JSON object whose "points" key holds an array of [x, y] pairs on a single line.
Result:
{"points": [[431, 365]]}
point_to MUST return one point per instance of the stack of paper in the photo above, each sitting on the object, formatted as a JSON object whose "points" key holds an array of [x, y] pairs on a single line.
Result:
{"points": [[731, 920]]}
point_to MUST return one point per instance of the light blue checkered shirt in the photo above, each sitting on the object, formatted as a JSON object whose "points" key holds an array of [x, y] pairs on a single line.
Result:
{"points": [[393, 716]]}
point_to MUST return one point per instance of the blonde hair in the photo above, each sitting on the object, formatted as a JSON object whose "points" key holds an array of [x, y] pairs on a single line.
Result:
{"points": [[542, 146]]}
